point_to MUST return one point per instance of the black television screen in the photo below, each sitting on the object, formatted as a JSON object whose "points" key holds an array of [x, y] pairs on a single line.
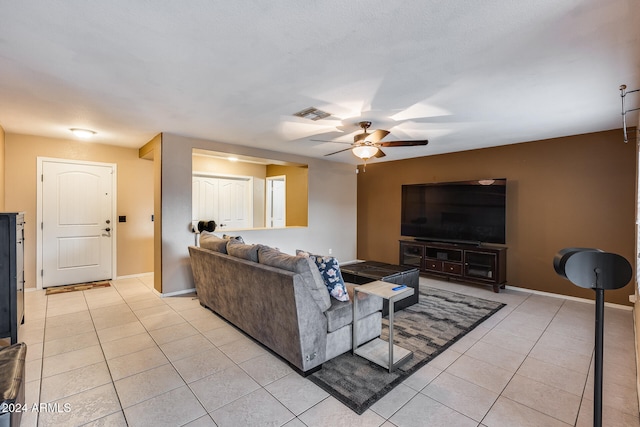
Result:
{"points": [[467, 211]]}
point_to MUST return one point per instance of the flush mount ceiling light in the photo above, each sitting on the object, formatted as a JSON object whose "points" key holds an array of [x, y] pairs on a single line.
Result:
{"points": [[82, 133]]}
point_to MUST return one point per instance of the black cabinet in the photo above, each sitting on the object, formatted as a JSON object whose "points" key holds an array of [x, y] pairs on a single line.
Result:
{"points": [[11, 274], [469, 263]]}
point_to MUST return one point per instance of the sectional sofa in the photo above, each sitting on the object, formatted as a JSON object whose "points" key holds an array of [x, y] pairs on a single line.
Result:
{"points": [[279, 300]]}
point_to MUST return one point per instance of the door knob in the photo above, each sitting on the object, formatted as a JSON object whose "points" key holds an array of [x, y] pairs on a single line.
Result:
{"points": [[108, 221], [107, 229]]}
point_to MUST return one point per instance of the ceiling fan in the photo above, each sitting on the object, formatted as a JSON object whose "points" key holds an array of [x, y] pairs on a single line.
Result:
{"points": [[366, 145]]}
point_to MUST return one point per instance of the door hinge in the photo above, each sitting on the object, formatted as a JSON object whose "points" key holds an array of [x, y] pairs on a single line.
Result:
{"points": [[42, 226], [42, 177], [41, 273]]}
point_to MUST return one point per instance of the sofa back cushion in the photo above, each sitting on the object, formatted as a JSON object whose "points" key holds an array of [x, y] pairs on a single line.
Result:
{"points": [[241, 250], [305, 267], [212, 242]]}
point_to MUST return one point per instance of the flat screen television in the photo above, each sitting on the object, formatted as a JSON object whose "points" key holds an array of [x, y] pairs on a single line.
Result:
{"points": [[466, 211]]}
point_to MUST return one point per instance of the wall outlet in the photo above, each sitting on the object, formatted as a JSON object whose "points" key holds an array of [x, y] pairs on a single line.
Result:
{"points": [[330, 251]]}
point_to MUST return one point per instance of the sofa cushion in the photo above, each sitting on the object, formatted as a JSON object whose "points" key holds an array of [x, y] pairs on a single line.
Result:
{"points": [[341, 312], [241, 250], [330, 272], [303, 266], [212, 242]]}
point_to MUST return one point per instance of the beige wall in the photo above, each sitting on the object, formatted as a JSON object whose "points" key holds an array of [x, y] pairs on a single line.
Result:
{"points": [[577, 191], [296, 190], [332, 221], [2, 169], [202, 163], [135, 195]]}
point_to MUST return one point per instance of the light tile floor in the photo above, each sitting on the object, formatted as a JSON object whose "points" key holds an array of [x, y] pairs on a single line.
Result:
{"points": [[123, 356]]}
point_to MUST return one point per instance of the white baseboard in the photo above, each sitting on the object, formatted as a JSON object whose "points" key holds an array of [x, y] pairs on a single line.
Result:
{"points": [[132, 276], [570, 298], [176, 293]]}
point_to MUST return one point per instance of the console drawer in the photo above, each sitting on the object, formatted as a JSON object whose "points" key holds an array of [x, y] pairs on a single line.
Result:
{"points": [[433, 265], [452, 268]]}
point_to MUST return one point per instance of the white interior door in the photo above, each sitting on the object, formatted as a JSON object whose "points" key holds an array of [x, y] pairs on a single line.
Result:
{"points": [[234, 204], [227, 201], [205, 199], [276, 201], [77, 204]]}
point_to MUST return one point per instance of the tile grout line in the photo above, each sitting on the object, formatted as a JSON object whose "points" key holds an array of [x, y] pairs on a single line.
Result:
{"points": [[170, 362], [105, 360]]}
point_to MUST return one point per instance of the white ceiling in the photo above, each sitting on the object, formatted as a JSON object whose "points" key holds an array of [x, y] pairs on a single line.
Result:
{"points": [[463, 74]]}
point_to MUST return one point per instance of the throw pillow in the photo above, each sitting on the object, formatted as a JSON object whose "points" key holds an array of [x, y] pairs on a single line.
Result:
{"points": [[330, 272], [305, 267], [213, 242], [236, 238], [240, 250]]}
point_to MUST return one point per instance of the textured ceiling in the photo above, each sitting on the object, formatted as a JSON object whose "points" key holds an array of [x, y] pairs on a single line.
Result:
{"points": [[463, 74]]}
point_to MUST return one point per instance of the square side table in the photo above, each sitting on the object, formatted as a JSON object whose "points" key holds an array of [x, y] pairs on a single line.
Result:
{"points": [[378, 351]]}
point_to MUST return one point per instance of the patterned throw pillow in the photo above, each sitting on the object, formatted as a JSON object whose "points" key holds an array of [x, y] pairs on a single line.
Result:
{"points": [[330, 272]]}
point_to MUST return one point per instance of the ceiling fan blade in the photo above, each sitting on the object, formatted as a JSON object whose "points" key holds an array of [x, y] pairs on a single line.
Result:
{"points": [[380, 153], [372, 137], [336, 152], [376, 135], [403, 143]]}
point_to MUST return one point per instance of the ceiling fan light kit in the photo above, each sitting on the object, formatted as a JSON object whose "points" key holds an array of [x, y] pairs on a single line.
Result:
{"points": [[365, 152]]}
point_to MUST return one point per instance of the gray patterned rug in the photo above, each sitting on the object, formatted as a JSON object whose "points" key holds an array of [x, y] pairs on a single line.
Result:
{"points": [[428, 328]]}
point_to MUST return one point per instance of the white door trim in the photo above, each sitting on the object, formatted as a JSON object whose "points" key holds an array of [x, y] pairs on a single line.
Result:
{"points": [[39, 213]]}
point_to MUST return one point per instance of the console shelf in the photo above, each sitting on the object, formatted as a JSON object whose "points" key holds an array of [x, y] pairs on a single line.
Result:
{"points": [[476, 264]]}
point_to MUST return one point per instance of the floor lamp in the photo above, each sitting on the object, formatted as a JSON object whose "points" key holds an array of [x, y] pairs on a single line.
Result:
{"points": [[597, 270]]}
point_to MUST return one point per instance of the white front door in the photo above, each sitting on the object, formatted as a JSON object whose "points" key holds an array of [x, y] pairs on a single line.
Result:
{"points": [[77, 206]]}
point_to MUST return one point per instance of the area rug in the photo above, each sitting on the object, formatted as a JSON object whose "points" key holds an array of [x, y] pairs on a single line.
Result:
{"points": [[77, 287], [427, 328]]}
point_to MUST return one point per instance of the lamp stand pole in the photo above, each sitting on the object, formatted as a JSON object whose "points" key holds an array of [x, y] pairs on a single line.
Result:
{"points": [[612, 271], [597, 383]]}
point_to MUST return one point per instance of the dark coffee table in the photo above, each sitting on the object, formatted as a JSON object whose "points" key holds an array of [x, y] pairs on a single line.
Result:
{"points": [[360, 273]]}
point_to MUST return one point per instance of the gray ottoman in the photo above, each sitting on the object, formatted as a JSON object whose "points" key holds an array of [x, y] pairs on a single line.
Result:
{"points": [[369, 271]]}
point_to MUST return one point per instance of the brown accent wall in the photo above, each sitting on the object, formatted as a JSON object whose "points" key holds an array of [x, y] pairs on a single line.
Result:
{"points": [[296, 193], [135, 195], [2, 169], [577, 191]]}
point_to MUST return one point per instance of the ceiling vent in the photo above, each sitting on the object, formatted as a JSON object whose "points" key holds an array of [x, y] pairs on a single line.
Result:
{"points": [[312, 113]]}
